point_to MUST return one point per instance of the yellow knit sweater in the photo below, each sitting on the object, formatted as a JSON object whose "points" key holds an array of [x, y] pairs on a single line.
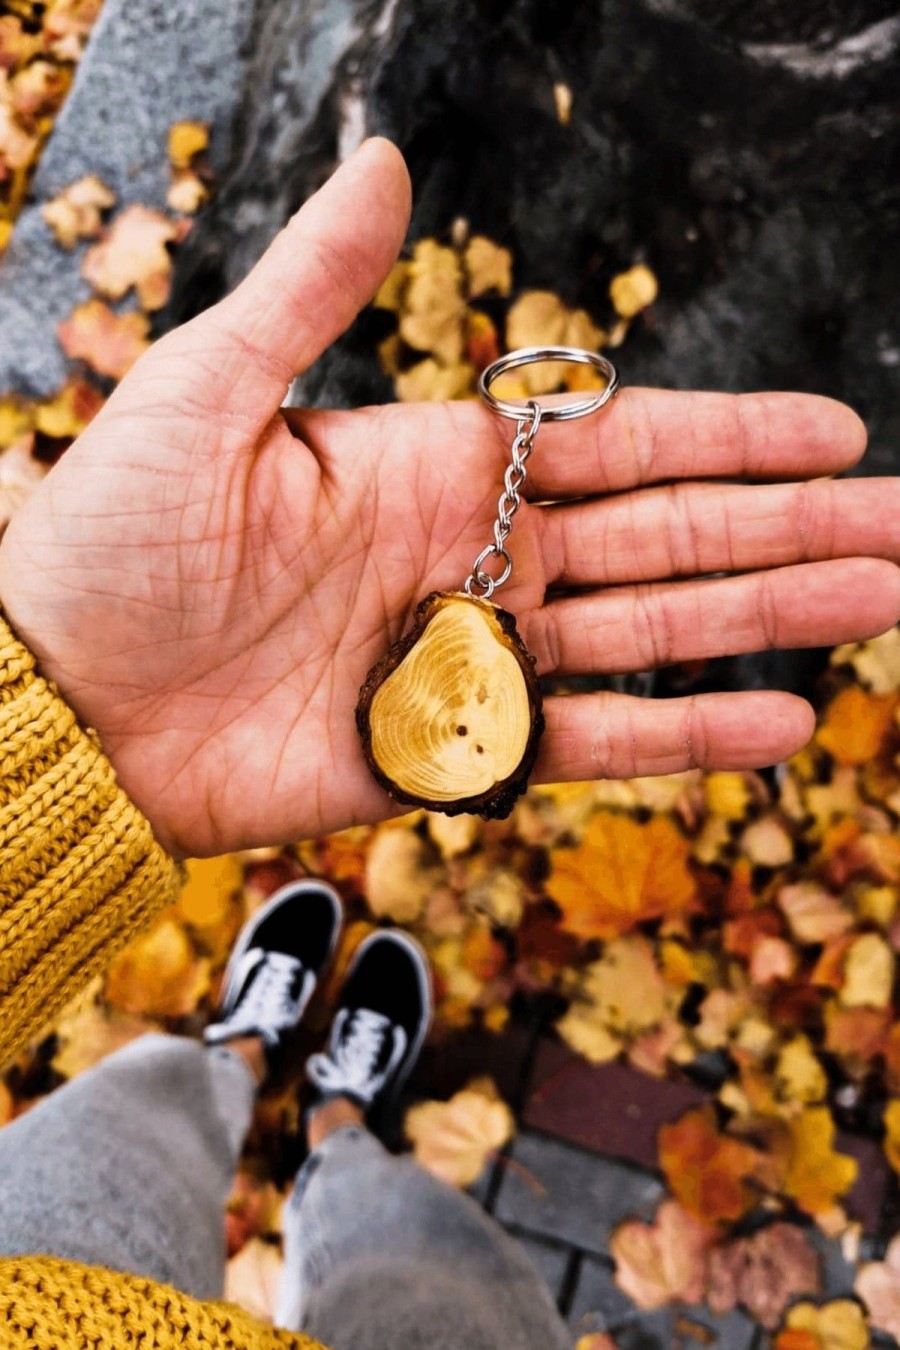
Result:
{"points": [[80, 873]]}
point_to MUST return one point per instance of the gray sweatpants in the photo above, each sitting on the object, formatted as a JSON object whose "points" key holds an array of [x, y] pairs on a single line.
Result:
{"points": [[130, 1165]]}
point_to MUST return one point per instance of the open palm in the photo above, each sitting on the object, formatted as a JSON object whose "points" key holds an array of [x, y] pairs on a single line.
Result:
{"points": [[209, 578]]}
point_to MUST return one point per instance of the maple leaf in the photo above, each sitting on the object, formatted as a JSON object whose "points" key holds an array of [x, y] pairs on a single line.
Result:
{"points": [[621, 874], [878, 1285], [20, 474], [488, 267], [109, 343], [706, 1171], [633, 291], [763, 1272], [662, 1262], [133, 253], [433, 310], [839, 1325], [453, 1140], [538, 319], [76, 212], [400, 874], [158, 974], [816, 1173], [856, 724]]}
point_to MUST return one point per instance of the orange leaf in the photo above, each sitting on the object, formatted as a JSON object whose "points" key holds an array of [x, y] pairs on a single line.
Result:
{"points": [[134, 253], [622, 874], [794, 1339], [856, 725], [660, 1262], [187, 139], [110, 343], [706, 1171], [158, 974]]}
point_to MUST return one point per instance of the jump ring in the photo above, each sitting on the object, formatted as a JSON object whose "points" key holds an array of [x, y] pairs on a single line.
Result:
{"points": [[529, 356]]}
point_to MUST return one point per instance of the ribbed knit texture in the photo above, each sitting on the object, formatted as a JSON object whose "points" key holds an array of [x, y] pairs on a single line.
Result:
{"points": [[80, 870], [46, 1304]]}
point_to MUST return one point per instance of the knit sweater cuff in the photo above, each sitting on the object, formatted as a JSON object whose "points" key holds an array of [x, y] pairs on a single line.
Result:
{"points": [[80, 870]]}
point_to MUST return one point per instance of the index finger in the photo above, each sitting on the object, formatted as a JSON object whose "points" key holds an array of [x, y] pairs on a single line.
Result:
{"points": [[657, 435]]}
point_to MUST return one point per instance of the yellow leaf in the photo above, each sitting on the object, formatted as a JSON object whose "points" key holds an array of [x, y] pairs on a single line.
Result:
{"points": [[453, 1140], [433, 311], [453, 834], [816, 1174], [856, 724], [892, 1133], [767, 843], [584, 1029], [840, 1325], [662, 1262], [798, 1074], [868, 973], [16, 420], [539, 318], [158, 974], [428, 381], [76, 212], [400, 874], [187, 139], [876, 662], [562, 98], [626, 987], [208, 894], [622, 874], [727, 795], [7, 1105], [390, 293], [499, 895], [68, 412], [633, 290], [488, 267], [814, 914], [89, 1032]]}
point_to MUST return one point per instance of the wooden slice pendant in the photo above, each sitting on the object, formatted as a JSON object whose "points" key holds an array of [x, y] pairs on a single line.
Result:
{"points": [[451, 718]]}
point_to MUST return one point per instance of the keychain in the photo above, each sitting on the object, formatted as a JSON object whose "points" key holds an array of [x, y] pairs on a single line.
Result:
{"points": [[450, 719]]}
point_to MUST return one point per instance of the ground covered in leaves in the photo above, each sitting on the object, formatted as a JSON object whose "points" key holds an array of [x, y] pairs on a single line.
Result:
{"points": [[748, 924]]}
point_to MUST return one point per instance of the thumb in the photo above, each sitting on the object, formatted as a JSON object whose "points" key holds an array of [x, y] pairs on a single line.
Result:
{"points": [[319, 272]]}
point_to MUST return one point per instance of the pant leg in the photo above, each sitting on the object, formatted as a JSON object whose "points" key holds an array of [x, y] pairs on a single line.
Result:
{"points": [[381, 1255], [129, 1166]]}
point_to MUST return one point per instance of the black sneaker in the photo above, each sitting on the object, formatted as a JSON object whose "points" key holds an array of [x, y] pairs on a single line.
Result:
{"points": [[381, 1022], [275, 965]]}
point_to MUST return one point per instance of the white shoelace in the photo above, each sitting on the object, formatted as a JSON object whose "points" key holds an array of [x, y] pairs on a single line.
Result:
{"points": [[350, 1064], [268, 1005]]}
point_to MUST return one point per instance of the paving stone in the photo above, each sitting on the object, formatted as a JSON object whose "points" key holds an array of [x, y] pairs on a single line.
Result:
{"points": [[610, 1108], [597, 1302], [568, 1194], [551, 1263], [866, 1201], [146, 66]]}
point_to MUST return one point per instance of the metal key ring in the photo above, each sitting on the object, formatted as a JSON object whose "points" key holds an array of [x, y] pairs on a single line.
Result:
{"points": [[529, 356]]}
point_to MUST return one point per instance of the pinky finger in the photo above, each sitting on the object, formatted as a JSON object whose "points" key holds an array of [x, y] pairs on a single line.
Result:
{"points": [[616, 736]]}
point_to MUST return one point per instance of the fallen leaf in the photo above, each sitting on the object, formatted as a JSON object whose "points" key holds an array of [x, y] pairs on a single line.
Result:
{"points": [[767, 843], [839, 1325], [488, 267], [453, 1140], [187, 193], [892, 1134], [133, 253], [763, 1272], [633, 290], [428, 380], [76, 212], [562, 99], [878, 1285], [816, 1174], [813, 913], [706, 1171], [482, 340], [856, 1035], [186, 140], [868, 973], [69, 411], [390, 293], [662, 1262], [584, 1029], [856, 724], [400, 874], [159, 974], [16, 45], [90, 1032], [253, 1279], [772, 959], [499, 895], [433, 310], [876, 663], [38, 89], [20, 474], [727, 795], [622, 874], [539, 319], [799, 1077], [109, 343], [453, 834]]}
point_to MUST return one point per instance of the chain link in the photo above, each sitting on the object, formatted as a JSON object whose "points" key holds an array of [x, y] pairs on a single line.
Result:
{"points": [[507, 505]]}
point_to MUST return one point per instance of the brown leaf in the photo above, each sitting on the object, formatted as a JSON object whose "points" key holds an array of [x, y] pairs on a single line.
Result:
{"points": [[706, 1171], [109, 343], [133, 253], [76, 212], [623, 873], [453, 1140], [662, 1262], [764, 1273], [856, 725]]}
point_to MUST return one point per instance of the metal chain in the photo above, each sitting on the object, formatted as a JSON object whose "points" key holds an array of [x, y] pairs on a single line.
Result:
{"points": [[507, 506]]}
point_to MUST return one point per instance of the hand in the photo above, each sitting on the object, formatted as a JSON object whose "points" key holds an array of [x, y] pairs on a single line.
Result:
{"points": [[209, 578]]}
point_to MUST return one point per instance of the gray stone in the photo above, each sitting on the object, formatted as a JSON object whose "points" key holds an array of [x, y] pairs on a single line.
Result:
{"points": [[597, 1302], [147, 66], [551, 1263], [573, 1196]]}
